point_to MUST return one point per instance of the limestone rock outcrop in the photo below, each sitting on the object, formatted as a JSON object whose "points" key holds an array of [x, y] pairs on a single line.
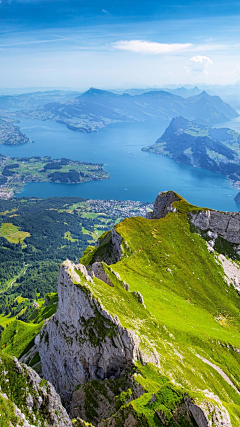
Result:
{"points": [[82, 341], [163, 205], [209, 413], [205, 413], [34, 401], [98, 401], [223, 224], [111, 248], [97, 270]]}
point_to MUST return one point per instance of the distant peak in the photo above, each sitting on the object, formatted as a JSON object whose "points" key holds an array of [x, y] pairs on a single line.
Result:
{"points": [[175, 125], [179, 121], [94, 91]]}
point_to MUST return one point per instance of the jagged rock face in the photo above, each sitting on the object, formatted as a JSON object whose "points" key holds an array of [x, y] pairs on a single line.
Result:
{"points": [[223, 224], [208, 414], [163, 205], [204, 414], [82, 342], [97, 270], [35, 402], [96, 401], [232, 271]]}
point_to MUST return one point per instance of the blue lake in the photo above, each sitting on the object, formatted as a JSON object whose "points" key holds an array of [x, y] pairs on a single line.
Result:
{"points": [[135, 175]]}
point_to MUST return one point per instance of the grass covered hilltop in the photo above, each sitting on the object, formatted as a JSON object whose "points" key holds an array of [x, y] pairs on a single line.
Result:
{"points": [[15, 172], [216, 149]]}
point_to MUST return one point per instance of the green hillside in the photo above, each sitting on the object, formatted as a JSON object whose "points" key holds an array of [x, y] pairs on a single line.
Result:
{"points": [[190, 315], [215, 149], [36, 235]]}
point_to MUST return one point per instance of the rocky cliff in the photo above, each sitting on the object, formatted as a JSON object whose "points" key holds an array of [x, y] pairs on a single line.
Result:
{"points": [[83, 342], [27, 400], [146, 329]]}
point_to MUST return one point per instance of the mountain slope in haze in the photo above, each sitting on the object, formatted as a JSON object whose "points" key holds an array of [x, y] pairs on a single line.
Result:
{"points": [[182, 91], [146, 331], [201, 146], [35, 99], [97, 108]]}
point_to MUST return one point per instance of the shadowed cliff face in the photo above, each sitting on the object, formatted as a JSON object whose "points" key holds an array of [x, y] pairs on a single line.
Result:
{"points": [[152, 338]]}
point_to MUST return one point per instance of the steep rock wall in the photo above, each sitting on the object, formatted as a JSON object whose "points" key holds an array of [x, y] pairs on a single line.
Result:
{"points": [[163, 205], [223, 224], [82, 342], [34, 401]]}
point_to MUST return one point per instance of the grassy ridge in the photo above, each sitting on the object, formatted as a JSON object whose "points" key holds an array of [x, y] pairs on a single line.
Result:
{"points": [[186, 300]]}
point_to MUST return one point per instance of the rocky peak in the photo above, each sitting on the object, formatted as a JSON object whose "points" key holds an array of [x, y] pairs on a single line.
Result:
{"points": [[83, 342], [175, 125], [163, 204]]}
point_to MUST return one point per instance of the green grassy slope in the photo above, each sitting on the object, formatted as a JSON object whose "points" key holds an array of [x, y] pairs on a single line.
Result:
{"points": [[18, 337], [190, 310]]}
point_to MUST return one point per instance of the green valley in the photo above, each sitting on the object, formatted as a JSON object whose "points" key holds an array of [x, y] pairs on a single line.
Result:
{"points": [[37, 235], [15, 172]]}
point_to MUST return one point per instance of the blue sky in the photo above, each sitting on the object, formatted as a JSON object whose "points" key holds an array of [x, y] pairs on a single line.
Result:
{"points": [[118, 43]]}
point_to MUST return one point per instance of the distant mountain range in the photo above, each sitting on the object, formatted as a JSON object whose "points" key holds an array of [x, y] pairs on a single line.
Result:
{"points": [[97, 108], [183, 91], [35, 99], [201, 146]]}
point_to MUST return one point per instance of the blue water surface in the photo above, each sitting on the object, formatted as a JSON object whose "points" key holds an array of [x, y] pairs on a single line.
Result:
{"points": [[134, 174]]}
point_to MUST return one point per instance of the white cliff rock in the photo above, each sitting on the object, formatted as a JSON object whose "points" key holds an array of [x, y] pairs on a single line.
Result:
{"points": [[209, 413], [38, 403], [97, 270], [82, 341], [232, 271], [223, 224]]}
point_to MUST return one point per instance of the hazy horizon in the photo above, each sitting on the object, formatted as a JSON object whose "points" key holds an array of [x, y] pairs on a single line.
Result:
{"points": [[118, 44]]}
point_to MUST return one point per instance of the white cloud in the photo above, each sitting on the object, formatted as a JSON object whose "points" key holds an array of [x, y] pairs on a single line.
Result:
{"points": [[143, 46], [200, 63]]}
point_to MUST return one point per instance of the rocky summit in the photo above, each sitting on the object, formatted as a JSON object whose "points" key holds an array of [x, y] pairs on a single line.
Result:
{"points": [[146, 331]]}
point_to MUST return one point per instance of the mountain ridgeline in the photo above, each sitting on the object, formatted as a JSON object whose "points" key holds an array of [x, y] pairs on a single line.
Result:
{"points": [[146, 331], [216, 149], [97, 108]]}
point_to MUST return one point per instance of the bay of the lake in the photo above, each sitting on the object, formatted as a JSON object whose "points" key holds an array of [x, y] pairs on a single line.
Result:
{"points": [[134, 174]]}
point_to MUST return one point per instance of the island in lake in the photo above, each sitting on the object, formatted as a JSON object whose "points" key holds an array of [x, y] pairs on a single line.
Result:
{"points": [[215, 149], [15, 172]]}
